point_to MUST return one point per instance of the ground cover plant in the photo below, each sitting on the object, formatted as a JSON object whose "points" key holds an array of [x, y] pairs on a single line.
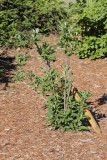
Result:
{"points": [[64, 111], [19, 75], [19, 17]]}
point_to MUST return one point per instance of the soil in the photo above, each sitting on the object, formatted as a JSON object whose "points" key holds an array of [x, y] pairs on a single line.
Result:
{"points": [[24, 133]]}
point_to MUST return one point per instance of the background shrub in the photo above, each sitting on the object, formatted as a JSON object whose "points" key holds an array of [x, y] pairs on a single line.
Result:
{"points": [[17, 17], [89, 22]]}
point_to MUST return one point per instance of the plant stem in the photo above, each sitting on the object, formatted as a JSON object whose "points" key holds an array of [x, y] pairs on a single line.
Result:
{"points": [[46, 66], [66, 79]]}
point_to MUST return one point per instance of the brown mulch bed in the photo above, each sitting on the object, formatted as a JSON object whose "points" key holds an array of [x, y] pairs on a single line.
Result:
{"points": [[24, 134]]}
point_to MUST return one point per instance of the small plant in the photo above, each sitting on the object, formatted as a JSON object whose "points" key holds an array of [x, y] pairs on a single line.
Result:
{"points": [[63, 110], [21, 60], [66, 37], [52, 86], [19, 75], [47, 53], [20, 39], [46, 50]]}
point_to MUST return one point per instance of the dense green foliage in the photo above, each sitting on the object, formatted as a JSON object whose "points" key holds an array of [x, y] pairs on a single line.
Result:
{"points": [[89, 26], [52, 86], [19, 17], [86, 26]]}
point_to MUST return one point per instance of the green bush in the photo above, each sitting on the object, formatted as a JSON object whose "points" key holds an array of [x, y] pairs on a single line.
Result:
{"points": [[18, 17], [89, 23], [64, 111]]}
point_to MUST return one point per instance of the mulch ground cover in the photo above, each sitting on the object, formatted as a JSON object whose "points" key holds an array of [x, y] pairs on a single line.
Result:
{"points": [[24, 133]]}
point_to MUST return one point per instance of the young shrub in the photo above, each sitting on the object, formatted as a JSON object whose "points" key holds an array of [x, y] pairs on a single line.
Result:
{"points": [[52, 86], [64, 111]]}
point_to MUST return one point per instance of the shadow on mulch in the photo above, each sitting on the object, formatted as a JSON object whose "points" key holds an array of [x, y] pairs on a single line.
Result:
{"points": [[104, 56], [6, 66], [102, 100], [97, 116]]}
